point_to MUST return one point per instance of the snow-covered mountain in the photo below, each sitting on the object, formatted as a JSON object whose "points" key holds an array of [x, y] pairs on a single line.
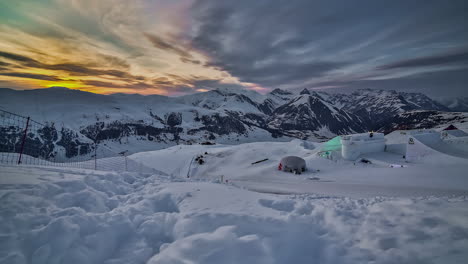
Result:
{"points": [[136, 123], [457, 104], [420, 119], [308, 111], [377, 106]]}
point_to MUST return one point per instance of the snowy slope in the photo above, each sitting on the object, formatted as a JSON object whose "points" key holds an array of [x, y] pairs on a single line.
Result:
{"points": [[242, 101], [440, 175], [77, 216]]}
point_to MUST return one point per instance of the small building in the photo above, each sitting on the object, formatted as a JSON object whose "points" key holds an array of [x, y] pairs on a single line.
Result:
{"points": [[350, 147], [353, 146], [292, 164]]}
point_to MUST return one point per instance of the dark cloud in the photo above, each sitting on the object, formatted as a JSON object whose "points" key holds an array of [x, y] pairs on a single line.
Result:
{"points": [[436, 60], [136, 85], [83, 70], [162, 81], [74, 69], [173, 83], [286, 72], [179, 79], [26, 61], [3, 64], [31, 76], [187, 60], [178, 84], [15, 57], [276, 43], [211, 84], [431, 83], [113, 61], [200, 83], [164, 44]]}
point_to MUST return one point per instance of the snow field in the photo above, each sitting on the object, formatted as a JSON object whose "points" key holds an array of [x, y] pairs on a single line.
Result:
{"points": [[80, 216], [439, 175]]}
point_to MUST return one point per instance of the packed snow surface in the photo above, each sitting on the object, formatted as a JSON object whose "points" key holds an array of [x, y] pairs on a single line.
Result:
{"points": [[437, 174], [336, 212]]}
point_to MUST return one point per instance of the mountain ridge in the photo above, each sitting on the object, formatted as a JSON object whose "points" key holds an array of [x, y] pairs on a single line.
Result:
{"points": [[225, 116]]}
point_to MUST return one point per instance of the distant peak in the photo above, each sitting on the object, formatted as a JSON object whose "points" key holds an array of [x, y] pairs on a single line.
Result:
{"points": [[305, 99], [58, 88], [280, 91], [304, 91], [374, 91]]}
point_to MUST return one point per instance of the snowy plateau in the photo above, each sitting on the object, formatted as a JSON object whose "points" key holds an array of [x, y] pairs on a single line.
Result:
{"points": [[231, 208]]}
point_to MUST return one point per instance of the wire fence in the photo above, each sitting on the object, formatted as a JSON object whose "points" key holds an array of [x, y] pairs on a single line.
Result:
{"points": [[25, 141]]}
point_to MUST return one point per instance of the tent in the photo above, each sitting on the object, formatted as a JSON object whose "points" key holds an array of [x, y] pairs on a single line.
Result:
{"points": [[292, 164], [451, 127]]}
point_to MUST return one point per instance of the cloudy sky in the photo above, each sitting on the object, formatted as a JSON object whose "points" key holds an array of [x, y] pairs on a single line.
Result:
{"points": [[175, 47]]}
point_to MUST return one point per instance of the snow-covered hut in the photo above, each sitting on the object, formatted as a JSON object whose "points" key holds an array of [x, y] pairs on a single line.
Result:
{"points": [[292, 164], [352, 146], [451, 132]]}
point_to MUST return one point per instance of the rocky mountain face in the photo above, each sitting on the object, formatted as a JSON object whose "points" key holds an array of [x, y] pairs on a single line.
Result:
{"points": [[376, 107], [137, 123], [423, 119], [306, 111], [46, 142]]}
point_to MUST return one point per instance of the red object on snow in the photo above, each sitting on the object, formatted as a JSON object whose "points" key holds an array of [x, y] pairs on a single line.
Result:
{"points": [[451, 127], [280, 166]]}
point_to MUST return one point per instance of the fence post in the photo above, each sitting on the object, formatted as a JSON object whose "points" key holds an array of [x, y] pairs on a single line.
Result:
{"points": [[24, 139], [95, 156]]}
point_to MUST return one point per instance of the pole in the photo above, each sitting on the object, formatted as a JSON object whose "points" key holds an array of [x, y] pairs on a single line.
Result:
{"points": [[24, 139], [95, 156], [126, 169]]}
